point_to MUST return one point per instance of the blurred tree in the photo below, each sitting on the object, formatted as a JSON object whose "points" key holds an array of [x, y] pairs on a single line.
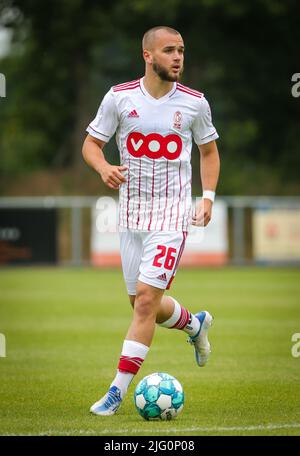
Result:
{"points": [[47, 78], [66, 54]]}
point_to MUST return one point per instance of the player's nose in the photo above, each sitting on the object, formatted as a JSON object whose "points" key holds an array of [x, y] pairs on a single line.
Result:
{"points": [[177, 56]]}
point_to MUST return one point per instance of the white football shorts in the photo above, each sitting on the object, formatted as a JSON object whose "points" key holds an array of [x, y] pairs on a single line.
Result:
{"points": [[151, 257]]}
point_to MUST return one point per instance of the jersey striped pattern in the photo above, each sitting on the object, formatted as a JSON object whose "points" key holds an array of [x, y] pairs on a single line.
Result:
{"points": [[127, 86], [156, 195], [185, 89]]}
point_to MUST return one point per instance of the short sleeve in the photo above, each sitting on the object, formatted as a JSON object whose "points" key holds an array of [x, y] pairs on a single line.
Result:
{"points": [[106, 121], [203, 128]]}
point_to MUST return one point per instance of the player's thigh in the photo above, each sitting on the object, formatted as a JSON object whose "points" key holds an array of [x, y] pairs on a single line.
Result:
{"points": [[131, 251], [161, 256]]}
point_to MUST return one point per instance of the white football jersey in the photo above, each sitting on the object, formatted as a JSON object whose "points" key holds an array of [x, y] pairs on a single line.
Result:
{"points": [[154, 138]]}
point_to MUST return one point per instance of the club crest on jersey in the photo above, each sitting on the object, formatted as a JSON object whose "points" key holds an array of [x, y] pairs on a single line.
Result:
{"points": [[154, 145], [177, 120]]}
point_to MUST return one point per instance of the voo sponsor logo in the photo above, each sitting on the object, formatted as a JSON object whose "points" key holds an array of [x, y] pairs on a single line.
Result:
{"points": [[154, 145]]}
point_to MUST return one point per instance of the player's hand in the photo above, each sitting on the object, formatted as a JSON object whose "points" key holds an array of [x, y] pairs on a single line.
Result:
{"points": [[202, 215], [112, 175]]}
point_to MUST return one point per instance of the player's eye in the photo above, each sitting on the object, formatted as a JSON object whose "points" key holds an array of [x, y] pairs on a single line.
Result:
{"points": [[171, 50]]}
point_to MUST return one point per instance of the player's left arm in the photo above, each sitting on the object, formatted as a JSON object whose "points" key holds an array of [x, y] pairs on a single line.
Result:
{"points": [[209, 173]]}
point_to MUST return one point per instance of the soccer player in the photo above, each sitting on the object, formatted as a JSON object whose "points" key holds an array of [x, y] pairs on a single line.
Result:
{"points": [[155, 119]]}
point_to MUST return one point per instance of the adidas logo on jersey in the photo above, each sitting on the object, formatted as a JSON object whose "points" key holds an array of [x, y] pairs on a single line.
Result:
{"points": [[162, 277], [133, 114]]}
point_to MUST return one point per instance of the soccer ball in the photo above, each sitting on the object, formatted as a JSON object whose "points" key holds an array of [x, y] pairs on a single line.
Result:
{"points": [[159, 396]]}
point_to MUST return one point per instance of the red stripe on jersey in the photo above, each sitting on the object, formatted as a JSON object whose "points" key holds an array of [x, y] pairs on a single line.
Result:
{"points": [[139, 193], [167, 184], [119, 86], [128, 191], [179, 197], [183, 216], [130, 84], [146, 207], [196, 92], [187, 219], [173, 196], [190, 93], [126, 88], [158, 200], [182, 86], [126, 84], [152, 196]]}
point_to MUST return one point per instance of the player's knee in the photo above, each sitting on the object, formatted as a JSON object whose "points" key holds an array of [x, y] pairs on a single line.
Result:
{"points": [[144, 306]]}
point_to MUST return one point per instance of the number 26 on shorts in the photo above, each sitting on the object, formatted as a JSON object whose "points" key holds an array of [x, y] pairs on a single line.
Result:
{"points": [[165, 257]]}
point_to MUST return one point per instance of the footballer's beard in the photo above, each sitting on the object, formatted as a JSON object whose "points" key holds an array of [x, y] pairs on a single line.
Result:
{"points": [[164, 74]]}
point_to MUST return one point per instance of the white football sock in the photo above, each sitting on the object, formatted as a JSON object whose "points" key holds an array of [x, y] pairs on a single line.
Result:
{"points": [[183, 319], [131, 359], [122, 380]]}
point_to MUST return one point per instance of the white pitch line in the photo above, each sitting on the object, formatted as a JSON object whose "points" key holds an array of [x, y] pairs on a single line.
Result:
{"points": [[209, 429], [200, 429]]}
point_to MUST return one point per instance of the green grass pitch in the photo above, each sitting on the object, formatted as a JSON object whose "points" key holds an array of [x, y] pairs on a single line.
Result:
{"points": [[64, 330]]}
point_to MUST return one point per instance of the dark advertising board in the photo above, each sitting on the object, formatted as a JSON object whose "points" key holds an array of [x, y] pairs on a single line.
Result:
{"points": [[28, 236]]}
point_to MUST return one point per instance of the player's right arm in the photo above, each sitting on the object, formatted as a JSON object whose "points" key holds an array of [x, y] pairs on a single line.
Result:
{"points": [[100, 130], [92, 152]]}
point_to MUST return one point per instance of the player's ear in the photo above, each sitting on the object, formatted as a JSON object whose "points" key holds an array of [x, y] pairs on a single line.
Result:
{"points": [[147, 56]]}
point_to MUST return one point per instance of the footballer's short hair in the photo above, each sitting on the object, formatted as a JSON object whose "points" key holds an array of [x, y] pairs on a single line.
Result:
{"points": [[148, 37]]}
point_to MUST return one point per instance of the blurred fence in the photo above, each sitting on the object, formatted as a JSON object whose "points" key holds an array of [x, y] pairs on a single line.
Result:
{"points": [[260, 230]]}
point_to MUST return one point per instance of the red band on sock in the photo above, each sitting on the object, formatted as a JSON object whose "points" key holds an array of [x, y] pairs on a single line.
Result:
{"points": [[129, 364], [183, 319]]}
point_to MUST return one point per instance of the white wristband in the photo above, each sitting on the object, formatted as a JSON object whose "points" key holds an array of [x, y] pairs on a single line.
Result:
{"points": [[209, 194]]}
